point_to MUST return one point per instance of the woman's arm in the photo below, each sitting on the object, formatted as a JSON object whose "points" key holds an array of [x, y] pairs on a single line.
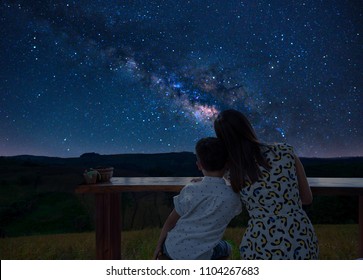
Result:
{"points": [[168, 225], [304, 188]]}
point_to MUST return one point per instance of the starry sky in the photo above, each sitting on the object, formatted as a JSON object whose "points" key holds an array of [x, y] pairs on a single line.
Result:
{"points": [[116, 77]]}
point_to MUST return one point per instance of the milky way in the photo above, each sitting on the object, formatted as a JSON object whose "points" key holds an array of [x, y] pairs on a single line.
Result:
{"points": [[151, 76]]}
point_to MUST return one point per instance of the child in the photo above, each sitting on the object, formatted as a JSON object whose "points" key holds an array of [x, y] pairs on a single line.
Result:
{"points": [[202, 210]]}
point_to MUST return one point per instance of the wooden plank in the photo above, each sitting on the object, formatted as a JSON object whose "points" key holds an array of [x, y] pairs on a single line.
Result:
{"points": [[108, 226], [319, 186], [115, 227], [100, 227], [174, 188], [331, 191], [137, 188]]}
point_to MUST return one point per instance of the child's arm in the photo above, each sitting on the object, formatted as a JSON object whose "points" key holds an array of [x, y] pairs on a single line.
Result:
{"points": [[168, 225]]}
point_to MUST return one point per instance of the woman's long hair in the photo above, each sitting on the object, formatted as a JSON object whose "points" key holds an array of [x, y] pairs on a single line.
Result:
{"points": [[244, 149]]}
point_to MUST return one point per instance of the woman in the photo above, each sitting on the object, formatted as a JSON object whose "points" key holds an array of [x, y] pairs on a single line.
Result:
{"points": [[273, 186]]}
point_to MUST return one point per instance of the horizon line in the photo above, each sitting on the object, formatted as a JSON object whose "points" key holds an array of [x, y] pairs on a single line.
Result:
{"points": [[156, 153]]}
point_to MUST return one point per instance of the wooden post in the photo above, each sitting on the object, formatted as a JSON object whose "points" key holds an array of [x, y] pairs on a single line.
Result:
{"points": [[108, 226], [360, 238]]}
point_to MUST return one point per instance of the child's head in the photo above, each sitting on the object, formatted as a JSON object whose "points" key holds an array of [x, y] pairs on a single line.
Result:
{"points": [[211, 154]]}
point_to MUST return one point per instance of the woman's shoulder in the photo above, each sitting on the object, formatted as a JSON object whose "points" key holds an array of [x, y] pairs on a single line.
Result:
{"points": [[285, 147], [277, 147], [277, 151]]}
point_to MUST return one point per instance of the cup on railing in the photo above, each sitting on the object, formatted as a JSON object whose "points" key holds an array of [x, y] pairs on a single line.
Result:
{"points": [[91, 176], [106, 173], [98, 175]]}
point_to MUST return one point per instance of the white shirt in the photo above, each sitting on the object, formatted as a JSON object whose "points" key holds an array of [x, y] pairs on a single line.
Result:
{"points": [[205, 210]]}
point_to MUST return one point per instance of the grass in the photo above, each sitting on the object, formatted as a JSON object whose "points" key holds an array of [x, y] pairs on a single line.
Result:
{"points": [[336, 242]]}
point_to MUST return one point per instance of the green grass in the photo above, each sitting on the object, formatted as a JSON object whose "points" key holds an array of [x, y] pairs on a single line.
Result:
{"points": [[336, 242]]}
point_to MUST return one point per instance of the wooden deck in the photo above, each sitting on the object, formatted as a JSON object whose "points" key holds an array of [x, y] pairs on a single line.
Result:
{"points": [[108, 213]]}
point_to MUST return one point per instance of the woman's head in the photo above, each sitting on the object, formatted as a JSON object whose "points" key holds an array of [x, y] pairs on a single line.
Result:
{"points": [[233, 125], [237, 134]]}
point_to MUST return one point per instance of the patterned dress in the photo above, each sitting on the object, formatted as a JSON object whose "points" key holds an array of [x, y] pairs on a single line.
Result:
{"points": [[278, 227]]}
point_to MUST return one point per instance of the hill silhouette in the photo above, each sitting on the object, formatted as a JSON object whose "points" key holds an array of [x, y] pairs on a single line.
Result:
{"points": [[175, 164]]}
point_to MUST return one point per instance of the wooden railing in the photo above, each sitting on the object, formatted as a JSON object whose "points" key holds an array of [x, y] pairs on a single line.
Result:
{"points": [[108, 216]]}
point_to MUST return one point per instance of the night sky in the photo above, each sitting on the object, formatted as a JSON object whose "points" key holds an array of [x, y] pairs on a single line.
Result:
{"points": [[116, 77]]}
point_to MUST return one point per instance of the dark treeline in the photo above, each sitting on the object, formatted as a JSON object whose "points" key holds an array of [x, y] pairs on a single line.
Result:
{"points": [[37, 193]]}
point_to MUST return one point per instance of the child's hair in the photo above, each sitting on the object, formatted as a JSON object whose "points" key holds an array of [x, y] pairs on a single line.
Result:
{"points": [[211, 153]]}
